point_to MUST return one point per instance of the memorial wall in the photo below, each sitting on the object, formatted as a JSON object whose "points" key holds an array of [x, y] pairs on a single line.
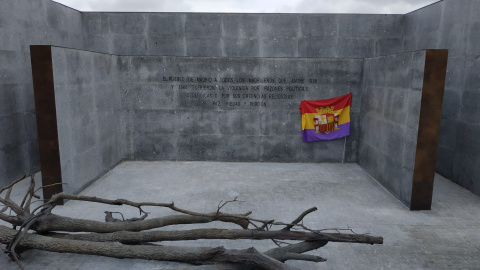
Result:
{"points": [[233, 109], [448, 24]]}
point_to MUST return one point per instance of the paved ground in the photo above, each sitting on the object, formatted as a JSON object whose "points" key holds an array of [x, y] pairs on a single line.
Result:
{"points": [[447, 237]]}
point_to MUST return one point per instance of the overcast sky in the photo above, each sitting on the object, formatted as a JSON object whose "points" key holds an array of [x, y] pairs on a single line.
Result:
{"points": [[251, 6]]}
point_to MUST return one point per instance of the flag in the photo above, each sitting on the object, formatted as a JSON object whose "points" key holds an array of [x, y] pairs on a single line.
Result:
{"points": [[326, 119]]}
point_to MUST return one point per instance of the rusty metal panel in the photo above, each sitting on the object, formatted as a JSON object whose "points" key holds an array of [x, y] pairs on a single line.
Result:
{"points": [[429, 128], [44, 93]]}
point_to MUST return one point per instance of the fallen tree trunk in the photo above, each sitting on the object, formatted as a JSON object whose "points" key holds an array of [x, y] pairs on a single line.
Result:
{"points": [[151, 252], [133, 237], [179, 235]]}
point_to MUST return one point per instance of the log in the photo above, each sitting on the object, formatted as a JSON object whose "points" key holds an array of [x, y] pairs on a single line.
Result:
{"points": [[195, 234], [163, 253]]}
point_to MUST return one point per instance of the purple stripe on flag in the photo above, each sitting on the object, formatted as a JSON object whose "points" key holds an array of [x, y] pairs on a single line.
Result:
{"points": [[310, 135]]}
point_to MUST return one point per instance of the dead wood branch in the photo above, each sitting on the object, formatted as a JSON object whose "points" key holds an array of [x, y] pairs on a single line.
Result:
{"points": [[163, 253], [181, 235], [132, 238]]}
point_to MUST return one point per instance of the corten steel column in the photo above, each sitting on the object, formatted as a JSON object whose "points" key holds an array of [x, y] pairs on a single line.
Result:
{"points": [[44, 92], [429, 129]]}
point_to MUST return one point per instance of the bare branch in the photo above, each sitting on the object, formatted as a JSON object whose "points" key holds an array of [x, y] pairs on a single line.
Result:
{"points": [[12, 184], [300, 218], [292, 252]]}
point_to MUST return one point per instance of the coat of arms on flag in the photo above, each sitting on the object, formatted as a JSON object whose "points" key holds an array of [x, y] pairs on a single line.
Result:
{"points": [[326, 119]]}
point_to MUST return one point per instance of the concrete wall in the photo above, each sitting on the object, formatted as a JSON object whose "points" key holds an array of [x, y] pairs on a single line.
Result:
{"points": [[91, 129], [454, 25], [400, 120], [22, 23], [450, 24], [231, 109], [244, 35]]}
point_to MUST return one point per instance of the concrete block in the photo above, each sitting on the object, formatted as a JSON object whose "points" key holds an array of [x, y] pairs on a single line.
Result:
{"points": [[198, 122], [357, 25], [166, 45], [34, 156], [325, 46], [203, 25], [386, 46], [280, 26], [389, 26], [291, 148], [11, 100], [153, 146], [204, 47], [463, 170], [14, 163], [472, 76], [12, 132], [426, 19], [429, 40], [352, 141], [198, 147], [241, 26], [95, 23], [396, 107], [453, 37], [319, 25], [280, 123], [57, 17], [445, 160], [320, 151], [355, 47], [239, 148], [278, 47], [160, 24], [127, 23], [241, 47], [470, 108], [99, 43], [129, 44], [448, 133], [151, 96], [455, 73], [468, 139], [239, 122]]}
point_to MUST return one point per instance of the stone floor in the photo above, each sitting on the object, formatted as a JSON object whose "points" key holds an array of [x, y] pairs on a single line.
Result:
{"points": [[447, 237]]}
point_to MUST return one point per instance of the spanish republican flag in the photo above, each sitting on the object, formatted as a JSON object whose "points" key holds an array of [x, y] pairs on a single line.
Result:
{"points": [[326, 119]]}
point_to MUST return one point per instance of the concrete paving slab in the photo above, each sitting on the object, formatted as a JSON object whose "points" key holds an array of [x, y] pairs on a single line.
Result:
{"points": [[447, 237]]}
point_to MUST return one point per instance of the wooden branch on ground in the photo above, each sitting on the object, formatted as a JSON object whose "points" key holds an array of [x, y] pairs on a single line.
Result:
{"points": [[132, 238]]}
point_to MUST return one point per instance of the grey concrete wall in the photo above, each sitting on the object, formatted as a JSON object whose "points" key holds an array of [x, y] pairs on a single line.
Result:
{"points": [[450, 24], [244, 35], [91, 129], [389, 122], [454, 25], [22, 23], [196, 108]]}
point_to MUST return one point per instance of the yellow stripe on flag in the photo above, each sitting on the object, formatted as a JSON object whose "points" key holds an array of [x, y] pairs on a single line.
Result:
{"points": [[308, 121]]}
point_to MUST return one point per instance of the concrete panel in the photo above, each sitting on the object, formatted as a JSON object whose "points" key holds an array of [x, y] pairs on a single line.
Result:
{"points": [[279, 25], [241, 26], [204, 46], [127, 23], [166, 45], [88, 105], [211, 100], [355, 47], [160, 24], [203, 25], [241, 47], [394, 113], [319, 25], [317, 46]]}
